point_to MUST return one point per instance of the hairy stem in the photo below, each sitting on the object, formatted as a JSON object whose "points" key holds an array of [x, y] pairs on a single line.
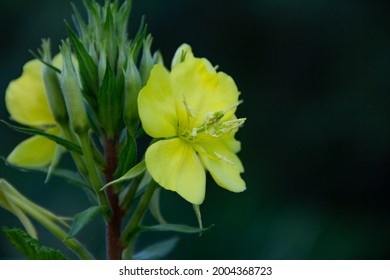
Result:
{"points": [[113, 226]]}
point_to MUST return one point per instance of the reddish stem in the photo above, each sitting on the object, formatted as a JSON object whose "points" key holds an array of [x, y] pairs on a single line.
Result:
{"points": [[113, 227]]}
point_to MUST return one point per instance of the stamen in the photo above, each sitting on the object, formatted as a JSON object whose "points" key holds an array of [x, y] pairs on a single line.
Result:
{"points": [[189, 109]]}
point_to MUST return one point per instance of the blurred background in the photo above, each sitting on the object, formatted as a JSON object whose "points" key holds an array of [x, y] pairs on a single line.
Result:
{"points": [[314, 77]]}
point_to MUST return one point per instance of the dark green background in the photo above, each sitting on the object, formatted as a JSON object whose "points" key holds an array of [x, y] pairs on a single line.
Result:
{"points": [[314, 75]]}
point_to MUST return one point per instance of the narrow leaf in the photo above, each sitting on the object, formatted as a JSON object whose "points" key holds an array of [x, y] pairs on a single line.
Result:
{"points": [[54, 163], [132, 173], [87, 67], [175, 228], [127, 156], [30, 247], [69, 176], [33, 131], [154, 206], [157, 250], [82, 219]]}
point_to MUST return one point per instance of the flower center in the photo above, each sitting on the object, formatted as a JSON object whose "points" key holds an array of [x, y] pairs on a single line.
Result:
{"points": [[211, 127]]}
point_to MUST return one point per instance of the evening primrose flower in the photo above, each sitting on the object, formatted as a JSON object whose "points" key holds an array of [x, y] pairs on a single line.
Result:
{"points": [[27, 104], [192, 110]]}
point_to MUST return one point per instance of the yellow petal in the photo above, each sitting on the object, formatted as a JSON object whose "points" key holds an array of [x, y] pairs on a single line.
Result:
{"points": [[26, 98], [36, 151], [233, 144], [204, 90], [174, 165], [156, 105], [223, 164]]}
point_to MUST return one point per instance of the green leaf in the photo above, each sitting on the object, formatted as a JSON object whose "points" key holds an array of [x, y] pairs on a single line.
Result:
{"points": [[69, 176], [157, 250], [33, 131], [154, 207], [175, 228], [39, 57], [54, 163], [127, 156], [30, 247], [84, 218], [132, 173]]}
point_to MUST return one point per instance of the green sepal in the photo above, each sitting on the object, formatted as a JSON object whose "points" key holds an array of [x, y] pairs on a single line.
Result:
{"points": [[157, 250], [127, 156], [82, 219], [132, 173], [87, 68], [174, 228], [55, 161], [137, 42], [33, 131], [30, 247], [110, 102]]}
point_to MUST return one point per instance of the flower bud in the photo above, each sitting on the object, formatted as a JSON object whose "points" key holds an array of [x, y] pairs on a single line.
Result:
{"points": [[158, 58], [102, 66], [132, 88], [146, 60], [52, 88], [183, 52], [72, 93]]}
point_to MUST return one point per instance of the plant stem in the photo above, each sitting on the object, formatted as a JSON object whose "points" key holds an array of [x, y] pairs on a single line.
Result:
{"points": [[92, 172], [131, 228], [113, 226]]}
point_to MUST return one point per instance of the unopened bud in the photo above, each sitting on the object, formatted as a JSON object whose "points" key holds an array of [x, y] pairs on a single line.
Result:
{"points": [[158, 58], [102, 66], [146, 60], [72, 93], [132, 88], [52, 87]]}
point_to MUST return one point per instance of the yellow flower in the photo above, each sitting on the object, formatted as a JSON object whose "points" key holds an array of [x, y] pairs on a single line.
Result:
{"points": [[27, 104], [192, 109]]}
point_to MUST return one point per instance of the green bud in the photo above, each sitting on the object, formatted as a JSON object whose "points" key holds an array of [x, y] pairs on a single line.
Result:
{"points": [[102, 66], [52, 87], [146, 60], [122, 55], [132, 88], [72, 92], [158, 58]]}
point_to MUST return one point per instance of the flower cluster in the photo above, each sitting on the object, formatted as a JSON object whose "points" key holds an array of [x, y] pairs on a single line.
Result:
{"points": [[96, 99]]}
